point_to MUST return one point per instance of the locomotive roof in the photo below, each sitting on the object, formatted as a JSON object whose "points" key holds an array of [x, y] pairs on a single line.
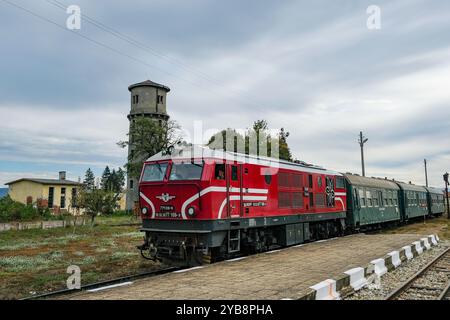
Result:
{"points": [[411, 187], [201, 152], [435, 190], [371, 182]]}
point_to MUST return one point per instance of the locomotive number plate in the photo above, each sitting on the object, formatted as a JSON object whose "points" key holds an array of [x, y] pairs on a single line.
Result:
{"points": [[166, 208]]}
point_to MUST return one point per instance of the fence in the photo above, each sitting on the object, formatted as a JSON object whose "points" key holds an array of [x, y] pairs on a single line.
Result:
{"points": [[40, 224]]}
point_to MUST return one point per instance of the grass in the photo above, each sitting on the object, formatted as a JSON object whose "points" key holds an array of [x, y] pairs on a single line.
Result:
{"points": [[36, 260], [439, 226]]}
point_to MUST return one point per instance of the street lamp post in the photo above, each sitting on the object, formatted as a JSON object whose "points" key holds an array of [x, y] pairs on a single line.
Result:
{"points": [[446, 194], [362, 140]]}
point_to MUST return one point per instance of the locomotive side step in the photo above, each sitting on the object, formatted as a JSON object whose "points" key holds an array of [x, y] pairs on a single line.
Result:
{"points": [[234, 241]]}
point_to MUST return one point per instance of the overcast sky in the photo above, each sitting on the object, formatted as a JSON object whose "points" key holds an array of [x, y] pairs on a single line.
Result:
{"points": [[312, 67]]}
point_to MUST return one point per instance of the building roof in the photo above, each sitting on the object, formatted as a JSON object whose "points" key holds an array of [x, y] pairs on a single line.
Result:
{"points": [[435, 190], [411, 187], [148, 83], [47, 181], [371, 182]]}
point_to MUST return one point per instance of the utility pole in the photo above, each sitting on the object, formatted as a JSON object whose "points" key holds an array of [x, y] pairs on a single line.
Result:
{"points": [[361, 142], [426, 173], [446, 194]]}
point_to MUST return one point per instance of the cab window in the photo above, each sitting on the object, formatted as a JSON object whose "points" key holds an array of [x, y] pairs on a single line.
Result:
{"points": [[154, 172], [219, 172], [186, 171]]}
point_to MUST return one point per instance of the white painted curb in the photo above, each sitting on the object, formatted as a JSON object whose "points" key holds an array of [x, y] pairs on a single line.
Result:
{"points": [[418, 247], [379, 266], [426, 243], [408, 252], [395, 256], [326, 290], [433, 239], [357, 279]]}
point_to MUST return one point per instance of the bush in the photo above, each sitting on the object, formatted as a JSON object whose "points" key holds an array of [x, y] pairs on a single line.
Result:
{"points": [[11, 210]]}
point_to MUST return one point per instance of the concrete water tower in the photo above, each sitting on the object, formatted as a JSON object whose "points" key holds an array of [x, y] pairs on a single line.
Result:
{"points": [[148, 99]]}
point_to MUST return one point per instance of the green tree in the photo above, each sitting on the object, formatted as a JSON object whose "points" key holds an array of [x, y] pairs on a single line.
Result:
{"points": [[146, 138], [89, 180], [119, 181], [255, 141], [284, 150], [97, 201], [105, 183]]}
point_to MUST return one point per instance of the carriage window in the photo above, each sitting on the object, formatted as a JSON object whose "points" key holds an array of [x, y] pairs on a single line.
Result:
{"points": [[186, 171], [219, 172], [310, 181], [154, 172], [362, 197]]}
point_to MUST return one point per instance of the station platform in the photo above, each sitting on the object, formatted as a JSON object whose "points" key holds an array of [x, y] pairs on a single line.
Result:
{"points": [[282, 274]]}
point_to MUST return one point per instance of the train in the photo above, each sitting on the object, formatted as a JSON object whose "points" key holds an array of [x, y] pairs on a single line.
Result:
{"points": [[200, 205]]}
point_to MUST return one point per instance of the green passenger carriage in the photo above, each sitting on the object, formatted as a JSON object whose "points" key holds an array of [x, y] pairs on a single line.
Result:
{"points": [[371, 201], [413, 200], [435, 198]]}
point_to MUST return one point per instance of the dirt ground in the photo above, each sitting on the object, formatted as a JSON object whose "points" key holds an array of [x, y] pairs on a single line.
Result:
{"points": [[36, 261]]}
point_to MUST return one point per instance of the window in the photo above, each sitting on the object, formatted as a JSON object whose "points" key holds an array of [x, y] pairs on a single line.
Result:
{"points": [[160, 99], [74, 197], [136, 99], [234, 173], [51, 193], [63, 198], [311, 199], [154, 172], [186, 171], [362, 197], [355, 197], [268, 178], [319, 181], [310, 180], [340, 183], [219, 172]]}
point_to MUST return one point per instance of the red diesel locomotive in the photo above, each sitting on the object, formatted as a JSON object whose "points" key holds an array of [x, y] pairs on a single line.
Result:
{"points": [[200, 205]]}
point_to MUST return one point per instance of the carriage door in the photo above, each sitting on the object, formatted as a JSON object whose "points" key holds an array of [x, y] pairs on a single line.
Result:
{"points": [[234, 192]]}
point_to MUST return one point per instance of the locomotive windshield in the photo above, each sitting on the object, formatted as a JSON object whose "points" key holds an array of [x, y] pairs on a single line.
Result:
{"points": [[154, 172], [186, 171]]}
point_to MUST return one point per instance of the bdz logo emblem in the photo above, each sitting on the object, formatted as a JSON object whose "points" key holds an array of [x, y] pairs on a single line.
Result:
{"points": [[165, 197]]}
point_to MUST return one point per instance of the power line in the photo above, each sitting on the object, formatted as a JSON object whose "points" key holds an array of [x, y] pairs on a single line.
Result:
{"points": [[136, 43], [148, 49], [111, 48]]}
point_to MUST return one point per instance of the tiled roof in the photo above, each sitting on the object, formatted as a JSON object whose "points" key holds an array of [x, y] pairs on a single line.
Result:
{"points": [[47, 181]]}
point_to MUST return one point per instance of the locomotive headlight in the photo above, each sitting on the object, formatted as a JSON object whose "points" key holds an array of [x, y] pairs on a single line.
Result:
{"points": [[191, 211], [144, 210]]}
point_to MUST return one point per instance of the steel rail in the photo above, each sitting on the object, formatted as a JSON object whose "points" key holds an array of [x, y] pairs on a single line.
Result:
{"points": [[103, 283], [406, 285]]}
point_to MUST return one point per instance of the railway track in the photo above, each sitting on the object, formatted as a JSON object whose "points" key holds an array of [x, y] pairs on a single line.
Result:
{"points": [[102, 284], [431, 283]]}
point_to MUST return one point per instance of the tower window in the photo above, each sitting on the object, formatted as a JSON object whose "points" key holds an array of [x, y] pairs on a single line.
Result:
{"points": [[136, 99], [160, 99]]}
